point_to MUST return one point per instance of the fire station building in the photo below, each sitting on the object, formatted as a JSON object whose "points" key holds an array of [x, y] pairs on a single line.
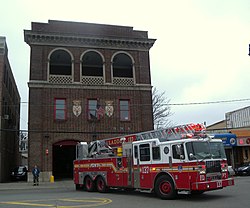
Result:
{"points": [[87, 81]]}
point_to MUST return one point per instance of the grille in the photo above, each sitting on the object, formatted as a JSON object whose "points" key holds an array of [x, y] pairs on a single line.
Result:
{"points": [[123, 81], [213, 166], [92, 80], [211, 177], [60, 79]]}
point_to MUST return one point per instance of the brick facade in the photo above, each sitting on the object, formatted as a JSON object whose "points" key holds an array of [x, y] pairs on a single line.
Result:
{"points": [[77, 39], [9, 116]]}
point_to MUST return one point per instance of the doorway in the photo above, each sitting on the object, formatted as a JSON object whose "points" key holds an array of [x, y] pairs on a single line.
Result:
{"points": [[63, 156]]}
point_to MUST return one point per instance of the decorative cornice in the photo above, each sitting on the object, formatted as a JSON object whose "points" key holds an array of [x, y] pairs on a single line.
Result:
{"points": [[45, 84], [55, 39]]}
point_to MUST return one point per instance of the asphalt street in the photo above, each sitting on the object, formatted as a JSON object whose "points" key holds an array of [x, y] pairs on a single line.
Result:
{"points": [[63, 194]]}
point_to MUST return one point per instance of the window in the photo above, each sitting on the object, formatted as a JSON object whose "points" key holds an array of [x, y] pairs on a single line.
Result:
{"points": [[92, 64], [5, 80], [205, 150], [136, 151], [95, 110], [156, 153], [166, 150], [144, 152], [122, 66], [60, 109], [246, 154], [60, 63], [92, 105], [178, 151], [124, 110]]}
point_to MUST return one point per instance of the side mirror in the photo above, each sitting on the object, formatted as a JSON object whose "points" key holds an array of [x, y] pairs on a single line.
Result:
{"points": [[180, 151], [191, 156]]}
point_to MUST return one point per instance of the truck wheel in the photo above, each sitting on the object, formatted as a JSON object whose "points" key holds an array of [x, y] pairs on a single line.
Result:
{"points": [[197, 192], [89, 184], [164, 187], [101, 185], [78, 187]]}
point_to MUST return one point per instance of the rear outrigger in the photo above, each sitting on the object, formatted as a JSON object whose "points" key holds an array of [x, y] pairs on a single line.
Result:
{"points": [[180, 159]]}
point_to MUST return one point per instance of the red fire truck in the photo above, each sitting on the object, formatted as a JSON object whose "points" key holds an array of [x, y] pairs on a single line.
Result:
{"points": [[180, 159]]}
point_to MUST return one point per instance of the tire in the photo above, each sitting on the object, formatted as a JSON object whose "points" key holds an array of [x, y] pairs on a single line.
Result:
{"points": [[197, 192], [129, 189], [101, 185], [164, 187], [79, 187], [89, 184]]}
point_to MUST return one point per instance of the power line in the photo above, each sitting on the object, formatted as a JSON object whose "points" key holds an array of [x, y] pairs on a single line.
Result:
{"points": [[211, 102], [190, 103]]}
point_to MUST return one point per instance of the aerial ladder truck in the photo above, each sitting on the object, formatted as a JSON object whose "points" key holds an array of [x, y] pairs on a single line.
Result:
{"points": [[180, 159]]}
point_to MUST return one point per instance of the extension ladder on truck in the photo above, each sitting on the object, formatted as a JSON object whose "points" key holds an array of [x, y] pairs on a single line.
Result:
{"points": [[166, 134]]}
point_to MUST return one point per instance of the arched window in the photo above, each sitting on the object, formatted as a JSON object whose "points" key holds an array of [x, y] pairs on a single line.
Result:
{"points": [[92, 64], [60, 63], [122, 66]]}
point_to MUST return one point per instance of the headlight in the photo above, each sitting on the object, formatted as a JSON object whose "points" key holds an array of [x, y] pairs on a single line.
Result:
{"points": [[202, 169], [224, 167]]}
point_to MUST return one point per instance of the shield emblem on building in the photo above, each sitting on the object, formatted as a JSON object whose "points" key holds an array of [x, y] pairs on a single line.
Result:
{"points": [[109, 108], [77, 109]]}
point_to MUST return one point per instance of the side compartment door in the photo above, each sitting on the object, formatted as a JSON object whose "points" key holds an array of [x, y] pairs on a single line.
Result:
{"points": [[136, 166], [119, 172], [145, 165], [129, 165]]}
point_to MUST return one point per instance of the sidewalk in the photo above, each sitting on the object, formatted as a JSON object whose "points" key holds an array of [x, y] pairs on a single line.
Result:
{"points": [[19, 185]]}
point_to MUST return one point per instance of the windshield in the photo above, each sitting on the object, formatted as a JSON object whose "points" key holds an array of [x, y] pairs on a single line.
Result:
{"points": [[205, 150]]}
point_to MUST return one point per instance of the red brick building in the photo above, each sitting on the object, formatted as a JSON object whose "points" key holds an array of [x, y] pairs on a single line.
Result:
{"points": [[87, 81], [9, 116]]}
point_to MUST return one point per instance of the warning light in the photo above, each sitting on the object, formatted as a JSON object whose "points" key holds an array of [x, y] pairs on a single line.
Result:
{"points": [[241, 141], [47, 151]]}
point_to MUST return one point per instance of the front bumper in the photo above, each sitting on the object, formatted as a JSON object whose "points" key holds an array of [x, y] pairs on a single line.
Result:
{"points": [[212, 185]]}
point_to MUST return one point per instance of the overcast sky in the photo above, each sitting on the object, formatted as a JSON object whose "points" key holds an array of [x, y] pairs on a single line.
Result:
{"points": [[201, 52]]}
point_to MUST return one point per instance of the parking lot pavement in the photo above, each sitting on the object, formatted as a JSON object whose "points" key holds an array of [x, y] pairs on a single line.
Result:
{"points": [[42, 185]]}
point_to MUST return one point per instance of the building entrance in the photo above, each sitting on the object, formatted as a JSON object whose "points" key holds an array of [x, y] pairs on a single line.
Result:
{"points": [[63, 155]]}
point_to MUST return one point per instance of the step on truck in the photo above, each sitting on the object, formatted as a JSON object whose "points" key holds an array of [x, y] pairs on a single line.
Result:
{"points": [[180, 159]]}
